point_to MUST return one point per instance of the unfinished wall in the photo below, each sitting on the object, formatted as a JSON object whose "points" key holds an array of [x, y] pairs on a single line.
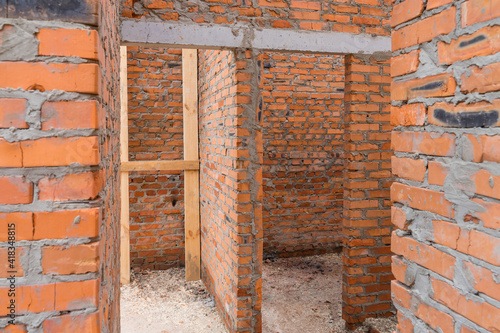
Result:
{"points": [[59, 167], [155, 133], [360, 16], [303, 102], [447, 198], [230, 178]]}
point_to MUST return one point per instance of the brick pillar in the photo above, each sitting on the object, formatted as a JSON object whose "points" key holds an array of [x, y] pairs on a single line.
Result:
{"points": [[366, 222], [59, 121]]}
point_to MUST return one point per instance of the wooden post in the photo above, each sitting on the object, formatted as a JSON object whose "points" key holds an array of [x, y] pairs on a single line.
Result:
{"points": [[191, 177], [124, 190]]}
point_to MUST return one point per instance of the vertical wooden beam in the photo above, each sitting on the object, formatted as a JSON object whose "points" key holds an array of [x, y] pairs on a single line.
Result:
{"points": [[124, 190], [191, 177]]}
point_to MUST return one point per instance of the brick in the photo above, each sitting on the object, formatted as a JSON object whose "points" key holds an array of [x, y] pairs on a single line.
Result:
{"points": [[489, 214], [466, 329], [424, 255], [481, 114], [76, 295], [10, 154], [474, 243], [437, 173], [481, 80], [480, 312], [398, 218], [424, 30], [432, 4], [23, 225], [406, 11], [15, 190], [34, 298], [405, 63], [72, 323], [69, 115], [68, 43], [476, 11], [422, 199], [435, 318], [487, 184], [483, 42], [74, 259], [404, 324], [400, 271], [82, 186], [440, 85], [400, 294], [60, 151], [85, 11], [408, 115], [66, 224], [484, 279], [15, 329], [43, 77], [482, 148], [423, 142], [160, 4], [12, 112], [408, 168]]}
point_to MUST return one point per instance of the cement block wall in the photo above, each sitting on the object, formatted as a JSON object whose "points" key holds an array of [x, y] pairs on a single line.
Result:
{"points": [[59, 121], [446, 207], [155, 133]]}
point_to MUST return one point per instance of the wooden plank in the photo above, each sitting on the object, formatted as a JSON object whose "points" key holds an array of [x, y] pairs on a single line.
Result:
{"points": [[190, 103], [160, 165], [191, 178], [124, 183]]}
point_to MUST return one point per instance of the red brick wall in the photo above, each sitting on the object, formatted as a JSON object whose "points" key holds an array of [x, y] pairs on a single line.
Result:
{"points": [[303, 102], [447, 198], [155, 133], [366, 215], [231, 176], [360, 16], [59, 120]]}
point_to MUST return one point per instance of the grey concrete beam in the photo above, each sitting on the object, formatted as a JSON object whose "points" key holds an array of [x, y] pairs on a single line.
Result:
{"points": [[205, 36]]}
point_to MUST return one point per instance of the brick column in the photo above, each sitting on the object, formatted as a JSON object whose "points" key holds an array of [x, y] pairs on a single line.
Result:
{"points": [[366, 221]]}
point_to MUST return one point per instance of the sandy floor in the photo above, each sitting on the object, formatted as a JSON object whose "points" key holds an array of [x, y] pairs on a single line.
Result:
{"points": [[163, 302], [301, 294]]}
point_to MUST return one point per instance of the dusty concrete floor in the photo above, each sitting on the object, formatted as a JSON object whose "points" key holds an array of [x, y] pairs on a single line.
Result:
{"points": [[301, 294]]}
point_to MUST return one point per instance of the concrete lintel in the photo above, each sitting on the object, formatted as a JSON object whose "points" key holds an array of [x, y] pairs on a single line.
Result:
{"points": [[204, 36]]}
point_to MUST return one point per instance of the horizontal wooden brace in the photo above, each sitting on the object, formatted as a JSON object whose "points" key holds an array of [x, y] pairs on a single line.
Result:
{"points": [[159, 165]]}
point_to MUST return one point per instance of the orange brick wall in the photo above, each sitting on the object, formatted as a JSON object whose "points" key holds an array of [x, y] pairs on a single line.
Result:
{"points": [[446, 202], [59, 121], [359, 16], [303, 102], [155, 133], [231, 178], [366, 214]]}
